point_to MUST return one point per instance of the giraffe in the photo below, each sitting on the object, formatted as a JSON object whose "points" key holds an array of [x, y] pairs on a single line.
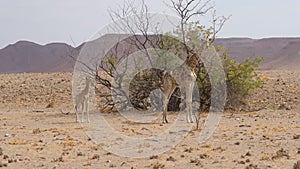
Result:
{"points": [[81, 101], [185, 76]]}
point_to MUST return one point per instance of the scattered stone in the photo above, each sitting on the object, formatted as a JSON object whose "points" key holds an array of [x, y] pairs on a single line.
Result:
{"points": [[297, 165], [171, 159], [281, 153], [1, 151], [60, 159], [108, 153], [153, 157], [242, 162], [251, 166], [248, 154], [112, 166], [243, 125], [189, 150], [50, 105], [219, 149], [237, 143], [157, 166], [80, 154], [196, 161], [203, 156], [3, 164], [36, 131], [95, 157], [11, 160], [123, 163], [297, 136]]}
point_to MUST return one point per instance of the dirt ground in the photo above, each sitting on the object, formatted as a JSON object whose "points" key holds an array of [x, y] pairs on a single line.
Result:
{"points": [[33, 136]]}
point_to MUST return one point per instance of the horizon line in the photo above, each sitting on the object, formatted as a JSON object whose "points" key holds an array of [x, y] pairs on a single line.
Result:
{"points": [[75, 45]]}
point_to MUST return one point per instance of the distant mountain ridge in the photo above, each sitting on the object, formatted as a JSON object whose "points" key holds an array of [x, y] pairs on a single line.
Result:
{"points": [[278, 53], [25, 56]]}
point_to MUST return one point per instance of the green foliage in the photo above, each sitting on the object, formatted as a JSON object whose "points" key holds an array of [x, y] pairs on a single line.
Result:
{"points": [[241, 78]]}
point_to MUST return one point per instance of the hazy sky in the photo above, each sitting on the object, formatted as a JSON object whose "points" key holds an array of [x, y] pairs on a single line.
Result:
{"points": [[44, 21]]}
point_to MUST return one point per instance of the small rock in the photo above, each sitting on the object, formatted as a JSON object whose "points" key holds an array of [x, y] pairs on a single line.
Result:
{"points": [[153, 157], [5, 157], [237, 143], [297, 136], [108, 153], [171, 159], [244, 125], [95, 157], [123, 163], [189, 150], [297, 165], [281, 153], [203, 156], [112, 166], [11, 161], [80, 154], [251, 166], [248, 154], [196, 161], [242, 162], [36, 131], [3, 165]]}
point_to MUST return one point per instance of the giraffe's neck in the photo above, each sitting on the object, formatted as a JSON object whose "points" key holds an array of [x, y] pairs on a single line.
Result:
{"points": [[86, 88], [192, 61]]}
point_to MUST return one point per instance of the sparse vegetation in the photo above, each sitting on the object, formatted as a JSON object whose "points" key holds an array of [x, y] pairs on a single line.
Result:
{"points": [[240, 78]]}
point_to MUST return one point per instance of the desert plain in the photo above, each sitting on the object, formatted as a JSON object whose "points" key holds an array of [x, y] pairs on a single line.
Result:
{"points": [[38, 129]]}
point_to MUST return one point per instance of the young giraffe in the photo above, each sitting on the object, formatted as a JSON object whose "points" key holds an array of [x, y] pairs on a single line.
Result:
{"points": [[183, 77], [81, 101]]}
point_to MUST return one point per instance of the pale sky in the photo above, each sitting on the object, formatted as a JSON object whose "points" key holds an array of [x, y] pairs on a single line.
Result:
{"points": [[45, 21]]}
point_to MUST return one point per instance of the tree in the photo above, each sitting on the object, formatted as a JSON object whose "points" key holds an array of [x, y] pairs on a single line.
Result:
{"points": [[190, 37]]}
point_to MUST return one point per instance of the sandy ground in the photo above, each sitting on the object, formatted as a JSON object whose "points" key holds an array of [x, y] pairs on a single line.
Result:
{"points": [[32, 136], [52, 139]]}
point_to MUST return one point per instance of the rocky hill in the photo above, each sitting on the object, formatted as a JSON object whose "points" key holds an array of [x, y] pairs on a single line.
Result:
{"points": [[25, 56], [278, 53]]}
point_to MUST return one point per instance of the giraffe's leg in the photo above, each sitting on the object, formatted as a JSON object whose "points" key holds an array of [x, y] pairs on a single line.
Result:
{"points": [[82, 111], [166, 102], [189, 98], [86, 111], [76, 111]]}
